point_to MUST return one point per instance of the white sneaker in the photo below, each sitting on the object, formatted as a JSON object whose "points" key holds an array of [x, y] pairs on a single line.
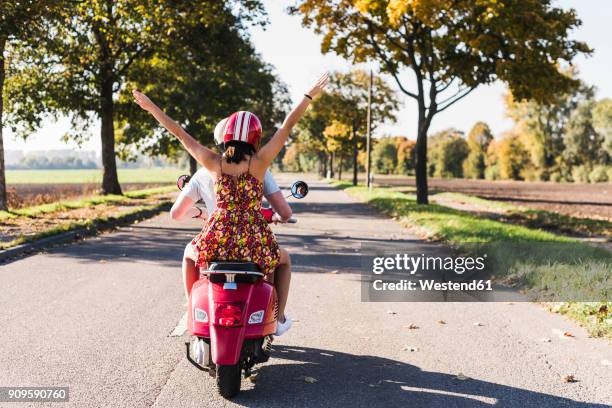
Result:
{"points": [[281, 328]]}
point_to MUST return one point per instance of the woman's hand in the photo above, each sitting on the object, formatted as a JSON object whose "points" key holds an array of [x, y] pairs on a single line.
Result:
{"points": [[143, 101], [319, 85]]}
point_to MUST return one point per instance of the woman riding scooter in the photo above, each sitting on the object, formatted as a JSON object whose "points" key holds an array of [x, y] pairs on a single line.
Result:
{"points": [[236, 229], [201, 188]]}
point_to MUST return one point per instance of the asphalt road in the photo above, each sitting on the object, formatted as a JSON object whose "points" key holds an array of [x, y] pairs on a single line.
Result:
{"points": [[98, 315]]}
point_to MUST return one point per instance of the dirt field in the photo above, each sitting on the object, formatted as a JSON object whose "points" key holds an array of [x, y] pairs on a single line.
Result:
{"points": [[578, 200]]}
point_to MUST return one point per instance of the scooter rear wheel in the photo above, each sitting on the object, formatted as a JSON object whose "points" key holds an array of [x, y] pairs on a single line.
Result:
{"points": [[228, 380]]}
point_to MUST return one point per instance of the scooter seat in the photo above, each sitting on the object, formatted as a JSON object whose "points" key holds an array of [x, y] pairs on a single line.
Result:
{"points": [[233, 266]]}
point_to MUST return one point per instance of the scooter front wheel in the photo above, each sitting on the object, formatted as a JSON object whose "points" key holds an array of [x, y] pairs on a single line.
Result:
{"points": [[228, 380]]}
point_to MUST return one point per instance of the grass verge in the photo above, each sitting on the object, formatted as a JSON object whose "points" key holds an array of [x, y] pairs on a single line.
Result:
{"points": [[532, 218], [537, 262], [84, 203], [33, 223], [90, 226]]}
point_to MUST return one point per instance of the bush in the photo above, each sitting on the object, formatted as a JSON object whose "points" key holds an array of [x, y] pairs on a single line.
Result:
{"points": [[599, 174], [580, 174]]}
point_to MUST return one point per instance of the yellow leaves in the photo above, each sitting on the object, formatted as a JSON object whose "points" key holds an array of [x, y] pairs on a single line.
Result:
{"points": [[337, 129], [337, 134], [397, 8], [373, 6]]}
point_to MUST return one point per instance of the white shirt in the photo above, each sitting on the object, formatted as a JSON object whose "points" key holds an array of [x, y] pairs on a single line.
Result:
{"points": [[202, 187]]}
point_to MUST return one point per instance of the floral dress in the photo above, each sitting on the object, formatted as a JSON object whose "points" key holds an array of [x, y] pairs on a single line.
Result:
{"points": [[236, 230]]}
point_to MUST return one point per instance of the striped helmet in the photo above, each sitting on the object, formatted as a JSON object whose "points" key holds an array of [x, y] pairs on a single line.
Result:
{"points": [[242, 126]]}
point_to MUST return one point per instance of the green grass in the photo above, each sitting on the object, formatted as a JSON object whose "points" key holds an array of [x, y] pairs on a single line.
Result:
{"points": [[83, 203], [543, 265], [87, 224], [492, 204], [532, 218], [94, 176]]}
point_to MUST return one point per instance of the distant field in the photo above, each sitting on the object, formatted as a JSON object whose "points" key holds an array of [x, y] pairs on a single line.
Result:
{"points": [[94, 176], [573, 199]]}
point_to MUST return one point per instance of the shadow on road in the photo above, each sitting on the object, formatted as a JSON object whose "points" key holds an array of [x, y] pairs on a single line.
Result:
{"points": [[345, 379]]}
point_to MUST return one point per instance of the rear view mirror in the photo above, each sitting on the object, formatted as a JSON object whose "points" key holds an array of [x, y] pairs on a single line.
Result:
{"points": [[182, 181], [299, 189]]}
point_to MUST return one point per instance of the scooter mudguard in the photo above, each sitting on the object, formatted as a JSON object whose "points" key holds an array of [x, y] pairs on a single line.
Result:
{"points": [[226, 341]]}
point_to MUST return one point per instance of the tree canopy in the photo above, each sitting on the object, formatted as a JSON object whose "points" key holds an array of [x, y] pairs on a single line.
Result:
{"points": [[451, 47]]}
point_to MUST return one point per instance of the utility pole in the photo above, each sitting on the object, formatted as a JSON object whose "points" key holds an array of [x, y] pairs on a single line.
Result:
{"points": [[368, 136]]}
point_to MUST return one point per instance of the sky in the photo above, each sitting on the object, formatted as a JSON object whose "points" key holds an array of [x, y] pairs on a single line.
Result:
{"points": [[295, 53]]}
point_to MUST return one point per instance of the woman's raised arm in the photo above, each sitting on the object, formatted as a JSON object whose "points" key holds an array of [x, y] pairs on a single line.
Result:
{"points": [[271, 149], [205, 156]]}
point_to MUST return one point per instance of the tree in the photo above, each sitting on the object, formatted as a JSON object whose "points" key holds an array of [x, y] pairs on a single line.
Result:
{"points": [[602, 122], [351, 107], [339, 140], [384, 155], [512, 157], [310, 131], [541, 125], [342, 110], [478, 142], [583, 144], [209, 84], [448, 151], [405, 155], [90, 54], [20, 22], [451, 47]]}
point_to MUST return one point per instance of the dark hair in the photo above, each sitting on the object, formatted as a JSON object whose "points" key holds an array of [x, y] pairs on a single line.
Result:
{"points": [[235, 151]]}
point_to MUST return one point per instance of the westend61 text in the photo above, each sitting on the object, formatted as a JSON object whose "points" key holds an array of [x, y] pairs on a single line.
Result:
{"points": [[429, 284]]}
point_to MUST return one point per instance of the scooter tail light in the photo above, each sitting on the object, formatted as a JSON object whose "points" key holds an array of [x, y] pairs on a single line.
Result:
{"points": [[229, 314]]}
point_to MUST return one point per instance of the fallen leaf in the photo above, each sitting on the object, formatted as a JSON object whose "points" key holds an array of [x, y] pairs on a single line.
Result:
{"points": [[441, 322], [568, 334], [561, 334], [462, 377], [411, 326], [478, 324], [570, 379], [410, 348], [391, 312], [310, 380], [545, 340], [253, 378]]}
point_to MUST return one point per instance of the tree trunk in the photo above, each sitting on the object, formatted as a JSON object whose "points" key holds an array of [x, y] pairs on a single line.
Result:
{"points": [[355, 154], [331, 165], [340, 168], [421, 159], [324, 169], [110, 181], [193, 165], [3, 200]]}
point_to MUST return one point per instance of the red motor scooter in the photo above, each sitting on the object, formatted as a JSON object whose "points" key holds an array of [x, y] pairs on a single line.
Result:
{"points": [[232, 314]]}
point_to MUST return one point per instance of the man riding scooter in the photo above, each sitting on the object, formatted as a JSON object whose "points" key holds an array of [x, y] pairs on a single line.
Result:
{"points": [[201, 188]]}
